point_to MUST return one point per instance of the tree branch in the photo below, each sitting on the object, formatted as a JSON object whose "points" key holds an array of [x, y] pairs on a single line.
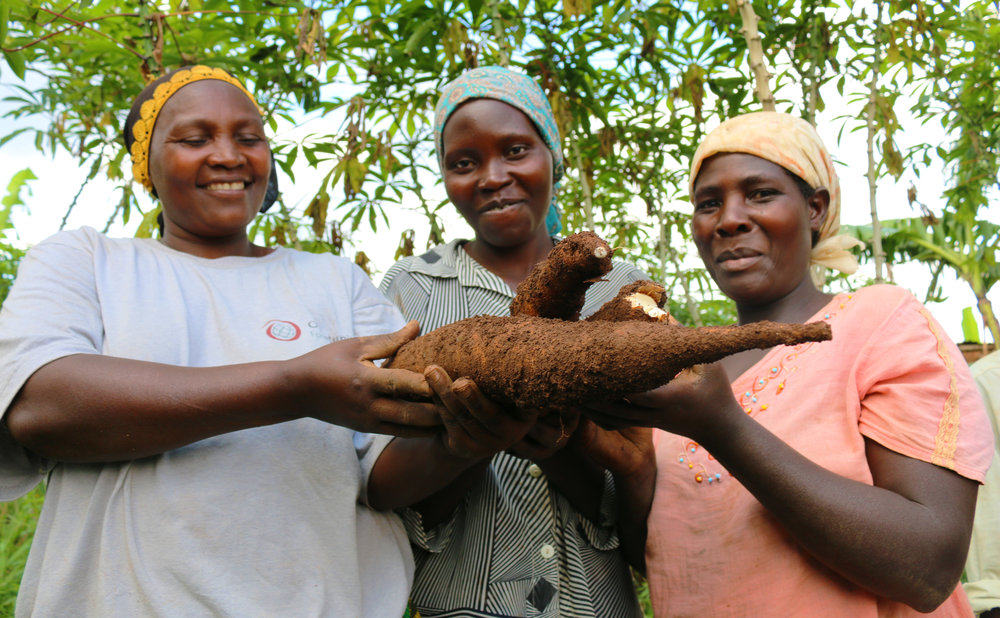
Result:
{"points": [[877, 250], [756, 52]]}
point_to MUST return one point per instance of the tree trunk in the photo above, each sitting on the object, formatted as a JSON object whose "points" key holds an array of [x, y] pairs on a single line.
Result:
{"points": [[872, 174], [989, 318], [588, 200], [498, 33], [758, 66]]}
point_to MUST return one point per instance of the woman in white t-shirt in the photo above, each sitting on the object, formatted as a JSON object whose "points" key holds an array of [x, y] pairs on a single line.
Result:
{"points": [[197, 401]]}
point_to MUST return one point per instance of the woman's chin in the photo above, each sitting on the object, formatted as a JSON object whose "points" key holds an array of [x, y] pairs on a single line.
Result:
{"points": [[511, 233]]}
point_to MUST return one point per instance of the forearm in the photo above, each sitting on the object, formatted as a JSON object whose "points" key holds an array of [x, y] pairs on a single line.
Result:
{"points": [[635, 498], [880, 540], [421, 473], [86, 408]]}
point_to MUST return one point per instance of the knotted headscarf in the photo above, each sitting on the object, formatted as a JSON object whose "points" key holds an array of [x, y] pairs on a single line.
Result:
{"points": [[142, 117], [794, 144], [514, 89]]}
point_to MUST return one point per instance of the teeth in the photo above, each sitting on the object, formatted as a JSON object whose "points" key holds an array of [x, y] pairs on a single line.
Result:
{"points": [[225, 186]]}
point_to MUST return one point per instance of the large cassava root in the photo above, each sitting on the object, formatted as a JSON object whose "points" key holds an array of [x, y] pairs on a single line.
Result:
{"points": [[534, 362], [542, 357]]}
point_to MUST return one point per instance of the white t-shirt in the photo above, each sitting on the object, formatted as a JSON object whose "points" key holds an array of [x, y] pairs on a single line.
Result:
{"points": [[261, 522]]}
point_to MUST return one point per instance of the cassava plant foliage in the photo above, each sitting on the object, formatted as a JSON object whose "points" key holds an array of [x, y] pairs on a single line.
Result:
{"points": [[634, 85]]}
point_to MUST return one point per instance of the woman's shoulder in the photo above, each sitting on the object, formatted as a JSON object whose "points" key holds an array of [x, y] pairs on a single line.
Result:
{"points": [[627, 270], [873, 303], [606, 288], [438, 261], [85, 235], [885, 292], [880, 314], [88, 240], [308, 257]]}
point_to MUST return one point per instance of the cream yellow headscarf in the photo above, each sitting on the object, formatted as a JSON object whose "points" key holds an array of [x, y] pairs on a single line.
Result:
{"points": [[792, 143]]}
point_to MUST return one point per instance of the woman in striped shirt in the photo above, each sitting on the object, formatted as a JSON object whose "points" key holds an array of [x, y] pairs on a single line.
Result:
{"points": [[529, 530]]}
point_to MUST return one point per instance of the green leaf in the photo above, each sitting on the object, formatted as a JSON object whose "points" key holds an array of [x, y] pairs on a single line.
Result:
{"points": [[475, 6], [15, 60], [13, 134], [970, 327], [414, 41], [18, 182], [4, 16]]}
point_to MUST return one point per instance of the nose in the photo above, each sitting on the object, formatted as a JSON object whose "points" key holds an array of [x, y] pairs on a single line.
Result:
{"points": [[226, 152], [494, 174], [733, 217]]}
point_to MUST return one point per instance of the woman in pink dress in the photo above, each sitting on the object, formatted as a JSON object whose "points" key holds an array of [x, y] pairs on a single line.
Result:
{"points": [[826, 479]]}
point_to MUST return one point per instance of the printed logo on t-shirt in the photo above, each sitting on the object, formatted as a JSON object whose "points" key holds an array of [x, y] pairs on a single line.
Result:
{"points": [[320, 333], [282, 330]]}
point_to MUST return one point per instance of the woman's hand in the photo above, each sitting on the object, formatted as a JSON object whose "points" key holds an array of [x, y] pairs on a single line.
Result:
{"points": [[697, 401], [433, 474], [339, 383], [86, 407], [626, 452], [550, 434], [475, 426]]}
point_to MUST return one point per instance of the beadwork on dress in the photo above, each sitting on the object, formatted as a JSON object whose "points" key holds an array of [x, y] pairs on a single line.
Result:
{"points": [[749, 400]]}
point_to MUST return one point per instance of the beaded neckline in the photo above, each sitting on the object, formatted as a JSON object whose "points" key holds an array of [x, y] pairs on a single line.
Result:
{"points": [[760, 397]]}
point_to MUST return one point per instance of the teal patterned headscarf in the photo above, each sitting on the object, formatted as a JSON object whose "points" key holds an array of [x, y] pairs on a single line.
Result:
{"points": [[513, 89]]}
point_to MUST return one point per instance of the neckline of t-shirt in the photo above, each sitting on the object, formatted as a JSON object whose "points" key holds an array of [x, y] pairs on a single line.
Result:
{"points": [[229, 261]]}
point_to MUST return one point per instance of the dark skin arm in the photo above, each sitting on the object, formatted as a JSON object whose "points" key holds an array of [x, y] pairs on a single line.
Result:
{"points": [[434, 473], [628, 453], [905, 538], [90, 408], [450, 474]]}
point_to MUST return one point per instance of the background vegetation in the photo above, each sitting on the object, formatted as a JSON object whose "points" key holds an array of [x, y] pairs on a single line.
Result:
{"points": [[634, 85]]}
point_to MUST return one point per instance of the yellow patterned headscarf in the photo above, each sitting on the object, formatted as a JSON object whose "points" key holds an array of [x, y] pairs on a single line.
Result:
{"points": [[142, 118], [792, 143]]}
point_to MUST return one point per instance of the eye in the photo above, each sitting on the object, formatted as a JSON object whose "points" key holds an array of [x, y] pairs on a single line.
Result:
{"points": [[762, 195], [517, 150], [461, 165], [193, 141], [706, 204], [249, 139]]}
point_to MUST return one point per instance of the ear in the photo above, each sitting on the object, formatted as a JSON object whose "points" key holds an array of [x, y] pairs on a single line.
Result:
{"points": [[819, 205]]}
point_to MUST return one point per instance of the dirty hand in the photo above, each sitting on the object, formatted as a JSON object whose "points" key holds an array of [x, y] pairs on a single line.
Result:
{"points": [[550, 434], [340, 384], [625, 452], [475, 427], [688, 405]]}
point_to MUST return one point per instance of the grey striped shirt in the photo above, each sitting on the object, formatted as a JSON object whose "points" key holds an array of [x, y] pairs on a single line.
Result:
{"points": [[514, 547]]}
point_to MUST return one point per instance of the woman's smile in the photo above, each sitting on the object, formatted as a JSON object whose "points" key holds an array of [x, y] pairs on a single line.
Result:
{"points": [[736, 260], [499, 206]]}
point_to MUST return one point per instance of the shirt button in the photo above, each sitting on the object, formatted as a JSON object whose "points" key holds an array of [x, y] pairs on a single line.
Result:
{"points": [[548, 551], [534, 471]]}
